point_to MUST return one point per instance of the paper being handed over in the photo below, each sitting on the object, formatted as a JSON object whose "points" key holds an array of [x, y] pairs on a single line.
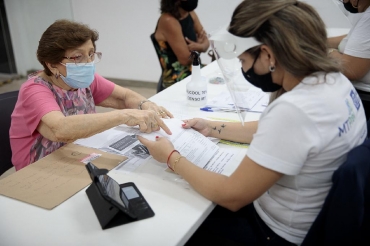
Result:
{"points": [[191, 144]]}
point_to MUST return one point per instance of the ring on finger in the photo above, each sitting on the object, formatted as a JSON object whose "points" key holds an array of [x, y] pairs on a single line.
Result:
{"points": [[154, 125], [162, 112], [158, 113]]}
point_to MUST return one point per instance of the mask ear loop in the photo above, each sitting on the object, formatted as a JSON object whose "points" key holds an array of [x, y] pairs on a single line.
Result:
{"points": [[271, 68], [255, 59]]}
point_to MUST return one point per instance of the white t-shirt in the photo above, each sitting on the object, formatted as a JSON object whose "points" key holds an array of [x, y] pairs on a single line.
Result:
{"points": [[305, 134], [357, 44]]}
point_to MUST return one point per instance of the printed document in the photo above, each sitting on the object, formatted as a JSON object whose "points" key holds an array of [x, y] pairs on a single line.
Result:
{"points": [[122, 140], [254, 99]]}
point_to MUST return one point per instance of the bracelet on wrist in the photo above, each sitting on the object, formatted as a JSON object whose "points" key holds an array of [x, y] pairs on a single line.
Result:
{"points": [[176, 161], [168, 159], [141, 104]]}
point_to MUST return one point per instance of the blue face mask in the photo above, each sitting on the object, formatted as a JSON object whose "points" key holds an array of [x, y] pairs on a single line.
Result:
{"points": [[79, 76]]}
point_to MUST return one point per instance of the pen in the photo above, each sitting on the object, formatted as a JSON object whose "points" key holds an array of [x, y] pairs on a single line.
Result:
{"points": [[210, 109], [207, 109]]}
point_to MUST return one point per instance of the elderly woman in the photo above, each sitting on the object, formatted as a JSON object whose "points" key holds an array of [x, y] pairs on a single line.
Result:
{"points": [[353, 50], [302, 137], [57, 105], [178, 32]]}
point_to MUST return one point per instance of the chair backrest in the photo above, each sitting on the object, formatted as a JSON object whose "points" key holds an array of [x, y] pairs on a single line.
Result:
{"points": [[345, 216], [364, 96], [156, 48], [7, 103]]}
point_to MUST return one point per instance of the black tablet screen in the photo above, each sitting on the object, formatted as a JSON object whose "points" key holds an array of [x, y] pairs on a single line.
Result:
{"points": [[125, 196], [114, 191]]}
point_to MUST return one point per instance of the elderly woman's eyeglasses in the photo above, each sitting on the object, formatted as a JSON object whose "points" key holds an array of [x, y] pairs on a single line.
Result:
{"points": [[81, 60]]}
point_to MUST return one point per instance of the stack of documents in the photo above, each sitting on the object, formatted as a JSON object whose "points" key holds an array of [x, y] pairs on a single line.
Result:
{"points": [[122, 140], [251, 100], [200, 150]]}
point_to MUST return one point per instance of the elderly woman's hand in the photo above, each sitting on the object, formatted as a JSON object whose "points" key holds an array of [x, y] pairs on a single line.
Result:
{"points": [[147, 120], [159, 110]]}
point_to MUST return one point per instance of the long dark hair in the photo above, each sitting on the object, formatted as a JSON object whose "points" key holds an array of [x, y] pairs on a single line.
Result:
{"points": [[170, 7]]}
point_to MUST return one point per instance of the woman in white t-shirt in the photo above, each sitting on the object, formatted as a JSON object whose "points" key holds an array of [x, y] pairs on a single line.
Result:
{"points": [[353, 50], [300, 140]]}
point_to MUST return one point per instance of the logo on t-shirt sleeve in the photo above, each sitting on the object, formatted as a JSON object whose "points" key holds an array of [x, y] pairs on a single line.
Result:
{"points": [[356, 103], [355, 99]]}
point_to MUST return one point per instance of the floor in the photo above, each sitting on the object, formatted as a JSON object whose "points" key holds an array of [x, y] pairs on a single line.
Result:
{"points": [[146, 89]]}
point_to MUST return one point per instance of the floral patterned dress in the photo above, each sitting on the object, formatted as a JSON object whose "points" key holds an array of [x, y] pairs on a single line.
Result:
{"points": [[172, 70]]}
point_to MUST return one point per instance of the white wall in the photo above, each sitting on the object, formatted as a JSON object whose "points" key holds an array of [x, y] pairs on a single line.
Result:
{"points": [[27, 20], [124, 27], [330, 13]]}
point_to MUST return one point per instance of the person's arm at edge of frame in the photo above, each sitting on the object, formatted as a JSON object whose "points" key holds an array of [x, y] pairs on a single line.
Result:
{"points": [[333, 42], [354, 68]]}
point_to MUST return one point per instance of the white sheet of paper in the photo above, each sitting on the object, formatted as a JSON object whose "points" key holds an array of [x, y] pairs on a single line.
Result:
{"points": [[247, 99], [190, 143], [261, 105], [222, 161]]}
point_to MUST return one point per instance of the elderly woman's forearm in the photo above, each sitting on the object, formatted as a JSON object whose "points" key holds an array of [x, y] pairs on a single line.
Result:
{"points": [[75, 127]]}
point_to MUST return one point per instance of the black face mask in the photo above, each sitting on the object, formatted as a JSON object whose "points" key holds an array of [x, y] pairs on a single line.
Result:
{"points": [[189, 5], [264, 82], [348, 6]]}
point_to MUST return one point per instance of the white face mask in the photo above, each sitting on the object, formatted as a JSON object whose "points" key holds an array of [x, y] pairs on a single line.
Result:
{"points": [[79, 76]]}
